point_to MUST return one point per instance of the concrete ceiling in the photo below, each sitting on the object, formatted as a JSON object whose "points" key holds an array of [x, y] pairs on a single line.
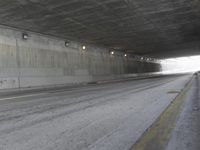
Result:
{"points": [[159, 28]]}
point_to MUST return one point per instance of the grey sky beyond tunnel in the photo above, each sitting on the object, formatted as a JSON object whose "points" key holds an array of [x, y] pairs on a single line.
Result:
{"points": [[162, 29]]}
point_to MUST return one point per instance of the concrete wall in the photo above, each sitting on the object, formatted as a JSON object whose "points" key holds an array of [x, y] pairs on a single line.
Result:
{"points": [[42, 60]]}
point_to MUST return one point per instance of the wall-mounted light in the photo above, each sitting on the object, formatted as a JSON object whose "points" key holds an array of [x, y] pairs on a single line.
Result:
{"points": [[112, 52], [66, 44], [25, 36], [125, 55], [83, 47]]}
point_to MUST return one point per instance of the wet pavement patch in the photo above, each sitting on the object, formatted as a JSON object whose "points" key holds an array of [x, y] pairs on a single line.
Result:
{"points": [[173, 92]]}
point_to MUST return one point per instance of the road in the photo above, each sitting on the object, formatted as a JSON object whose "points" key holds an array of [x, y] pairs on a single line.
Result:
{"points": [[109, 116]]}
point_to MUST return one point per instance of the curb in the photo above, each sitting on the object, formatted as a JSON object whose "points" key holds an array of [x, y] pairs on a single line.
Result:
{"points": [[158, 134]]}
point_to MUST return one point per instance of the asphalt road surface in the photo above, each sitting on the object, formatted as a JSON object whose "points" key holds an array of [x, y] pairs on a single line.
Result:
{"points": [[109, 116]]}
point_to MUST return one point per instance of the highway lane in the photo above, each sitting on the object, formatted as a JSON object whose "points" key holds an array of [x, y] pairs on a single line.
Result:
{"points": [[94, 117]]}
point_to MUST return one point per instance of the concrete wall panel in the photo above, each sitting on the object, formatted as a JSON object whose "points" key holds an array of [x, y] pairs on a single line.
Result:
{"points": [[42, 60], [7, 83]]}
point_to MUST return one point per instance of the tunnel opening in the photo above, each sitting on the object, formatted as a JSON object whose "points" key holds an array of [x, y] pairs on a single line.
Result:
{"points": [[188, 64]]}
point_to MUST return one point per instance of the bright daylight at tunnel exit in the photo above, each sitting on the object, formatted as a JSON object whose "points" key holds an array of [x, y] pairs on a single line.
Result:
{"points": [[100, 75]]}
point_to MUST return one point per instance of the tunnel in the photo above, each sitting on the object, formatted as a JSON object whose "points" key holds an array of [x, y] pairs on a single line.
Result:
{"points": [[99, 74]]}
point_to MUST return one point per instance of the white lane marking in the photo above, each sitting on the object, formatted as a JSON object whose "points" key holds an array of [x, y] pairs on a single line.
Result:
{"points": [[15, 97]]}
